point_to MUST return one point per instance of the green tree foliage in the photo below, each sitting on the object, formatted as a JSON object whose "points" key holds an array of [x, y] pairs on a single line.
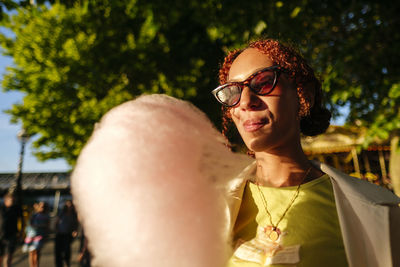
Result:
{"points": [[9, 5], [6, 5], [76, 63], [75, 60]]}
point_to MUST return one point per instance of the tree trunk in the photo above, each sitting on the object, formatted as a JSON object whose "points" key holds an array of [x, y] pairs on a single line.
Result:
{"points": [[394, 165]]}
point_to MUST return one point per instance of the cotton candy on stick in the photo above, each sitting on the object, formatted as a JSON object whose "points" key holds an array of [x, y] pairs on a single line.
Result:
{"points": [[149, 186]]}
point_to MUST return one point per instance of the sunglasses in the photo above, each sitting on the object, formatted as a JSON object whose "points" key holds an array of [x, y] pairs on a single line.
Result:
{"points": [[262, 83]]}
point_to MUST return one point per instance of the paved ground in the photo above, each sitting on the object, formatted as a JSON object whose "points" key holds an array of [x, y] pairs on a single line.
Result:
{"points": [[47, 255]]}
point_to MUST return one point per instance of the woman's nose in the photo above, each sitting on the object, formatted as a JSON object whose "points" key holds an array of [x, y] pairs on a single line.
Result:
{"points": [[248, 99]]}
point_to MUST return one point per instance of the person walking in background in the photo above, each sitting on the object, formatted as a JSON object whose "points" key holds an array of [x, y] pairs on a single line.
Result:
{"points": [[36, 232], [84, 256], [10, 213], [66, 230]]}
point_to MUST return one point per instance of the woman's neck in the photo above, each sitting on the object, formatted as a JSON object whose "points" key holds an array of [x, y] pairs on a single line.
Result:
{"points": [[284, 169]]}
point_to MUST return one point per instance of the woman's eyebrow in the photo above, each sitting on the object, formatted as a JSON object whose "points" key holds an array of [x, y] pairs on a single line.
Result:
{"points": [[254, 72]]}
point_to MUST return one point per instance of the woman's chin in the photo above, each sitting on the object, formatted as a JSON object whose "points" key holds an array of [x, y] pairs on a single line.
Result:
{"points": [[264, 143], [258, 145]]}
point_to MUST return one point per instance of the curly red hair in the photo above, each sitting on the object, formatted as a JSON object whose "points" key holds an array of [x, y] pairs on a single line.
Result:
{"points": [[314, 119]]}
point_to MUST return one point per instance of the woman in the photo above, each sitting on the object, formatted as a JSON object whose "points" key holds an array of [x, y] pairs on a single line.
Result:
{"points": [[37, 231], [288, 210]]}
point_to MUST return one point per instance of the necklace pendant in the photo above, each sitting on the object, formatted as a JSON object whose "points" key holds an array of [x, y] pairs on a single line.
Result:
{"points": [[272, 233]]}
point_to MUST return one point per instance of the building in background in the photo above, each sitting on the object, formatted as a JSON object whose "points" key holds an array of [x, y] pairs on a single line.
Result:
{"points": [[51, 187], [341, 147]]}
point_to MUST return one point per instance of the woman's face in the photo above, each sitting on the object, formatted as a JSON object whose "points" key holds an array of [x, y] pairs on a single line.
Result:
{"points": [[266, 123]]}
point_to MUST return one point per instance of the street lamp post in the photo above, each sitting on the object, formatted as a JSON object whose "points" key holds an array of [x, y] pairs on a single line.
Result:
{"points": [[16, 189]]}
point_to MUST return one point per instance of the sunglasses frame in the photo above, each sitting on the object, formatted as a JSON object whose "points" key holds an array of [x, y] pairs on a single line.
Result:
{"points": [[276, 69]]}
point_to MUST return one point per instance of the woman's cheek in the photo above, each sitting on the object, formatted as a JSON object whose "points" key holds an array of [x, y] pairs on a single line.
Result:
{"points": [[235, 115]]}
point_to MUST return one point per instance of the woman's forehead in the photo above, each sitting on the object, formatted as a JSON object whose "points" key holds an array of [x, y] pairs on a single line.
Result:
{"points": [[247, 63]]}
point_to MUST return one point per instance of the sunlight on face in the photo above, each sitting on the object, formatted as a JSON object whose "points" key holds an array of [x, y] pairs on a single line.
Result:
{"points": [[265, 122]]}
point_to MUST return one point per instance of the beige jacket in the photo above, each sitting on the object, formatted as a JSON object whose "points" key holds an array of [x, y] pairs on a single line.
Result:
{"points": [[369, 217]]}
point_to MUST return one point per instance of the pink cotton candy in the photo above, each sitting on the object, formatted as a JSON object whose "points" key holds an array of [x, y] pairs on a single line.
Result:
{"points": [[150, 186]]}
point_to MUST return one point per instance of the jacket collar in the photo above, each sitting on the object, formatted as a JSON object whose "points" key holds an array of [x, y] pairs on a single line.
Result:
{"points": [[357, 188]]}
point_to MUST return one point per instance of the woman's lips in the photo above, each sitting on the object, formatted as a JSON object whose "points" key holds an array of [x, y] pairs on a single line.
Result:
{"points": [[254, 125]]}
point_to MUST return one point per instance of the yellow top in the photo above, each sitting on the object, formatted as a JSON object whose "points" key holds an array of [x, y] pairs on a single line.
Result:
{"points": [[309, 232]]}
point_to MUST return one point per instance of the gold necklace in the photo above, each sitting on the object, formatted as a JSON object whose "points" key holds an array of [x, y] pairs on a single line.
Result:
{"points": [[272, 231]]}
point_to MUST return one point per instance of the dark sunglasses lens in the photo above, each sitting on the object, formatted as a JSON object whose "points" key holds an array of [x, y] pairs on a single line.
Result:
{"points": [[229, 95], [263, 83]]}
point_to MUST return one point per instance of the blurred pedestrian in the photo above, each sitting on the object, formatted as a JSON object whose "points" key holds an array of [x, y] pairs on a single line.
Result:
{"points": [[66, 230], [10, 213], [84, 256], [37, 232]]}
